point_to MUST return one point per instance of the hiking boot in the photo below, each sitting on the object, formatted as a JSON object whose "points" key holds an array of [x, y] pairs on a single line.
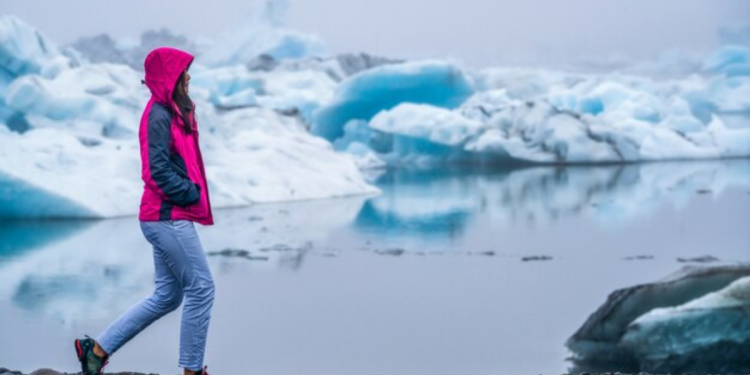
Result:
{"points": [[91, 364], [203, 372]]}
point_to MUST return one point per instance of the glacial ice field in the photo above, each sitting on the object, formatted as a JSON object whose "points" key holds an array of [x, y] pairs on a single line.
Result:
{"points": [[282, 119]]}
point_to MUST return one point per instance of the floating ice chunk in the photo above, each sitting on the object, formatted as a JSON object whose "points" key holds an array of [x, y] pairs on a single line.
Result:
{"points": [[435, 124], [263, 34], [225, 81], [711, 333], [640, 328], [524, 84], [729, 95], [100, 177], [23, 50], [286, 162], [363, 95], [730, 60], [301, 91], [245, 98], [107, 97], [289, 91]]}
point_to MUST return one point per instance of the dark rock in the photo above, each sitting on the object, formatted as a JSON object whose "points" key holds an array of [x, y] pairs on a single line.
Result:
{"points": [[263, 63], [640, 257], [392, 252], [289, 112], [701, 259], [236, 253], [103, 49], [354, 63], [45, 371], [536, 258]]}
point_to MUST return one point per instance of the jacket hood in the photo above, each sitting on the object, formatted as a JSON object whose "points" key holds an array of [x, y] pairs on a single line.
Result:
{"points": [[163, 67]]}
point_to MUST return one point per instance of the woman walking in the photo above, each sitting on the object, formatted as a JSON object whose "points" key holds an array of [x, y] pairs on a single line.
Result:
{"points": [[175, 196]]}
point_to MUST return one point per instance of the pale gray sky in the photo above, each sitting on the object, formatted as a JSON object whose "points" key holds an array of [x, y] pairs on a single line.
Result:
{"points": [[480, 32]]}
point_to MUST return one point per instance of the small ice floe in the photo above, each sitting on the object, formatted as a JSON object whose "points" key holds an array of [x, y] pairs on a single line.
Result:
{"points": [[695, 320]]}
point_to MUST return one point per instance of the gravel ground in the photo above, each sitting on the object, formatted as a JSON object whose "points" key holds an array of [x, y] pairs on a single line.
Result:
{"points": [[46, 371]]}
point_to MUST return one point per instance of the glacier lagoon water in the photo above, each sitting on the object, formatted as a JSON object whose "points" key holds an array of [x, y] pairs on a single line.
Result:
{"points": [[445, 272]]}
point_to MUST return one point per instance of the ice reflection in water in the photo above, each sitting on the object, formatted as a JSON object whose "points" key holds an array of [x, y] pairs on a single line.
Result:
{"points": [[85, 273], [79, 264], [434, 206]]}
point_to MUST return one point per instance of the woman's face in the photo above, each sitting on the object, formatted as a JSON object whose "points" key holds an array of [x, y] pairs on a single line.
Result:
{"points": [[186, 82]]}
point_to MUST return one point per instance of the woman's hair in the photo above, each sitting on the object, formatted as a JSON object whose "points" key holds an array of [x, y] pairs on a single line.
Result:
{"points": [[183, 102]]}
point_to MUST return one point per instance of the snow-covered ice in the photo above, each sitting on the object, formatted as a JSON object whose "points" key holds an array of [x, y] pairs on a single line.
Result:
{"points": [[73, 151], [303, 124], [527, 116], [365, 94], [263, 33]]}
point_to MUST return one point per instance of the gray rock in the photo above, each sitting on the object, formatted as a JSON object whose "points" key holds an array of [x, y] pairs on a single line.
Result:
{"points": [[701, 259], [392, 252], [536, 258], [46, 371], [598, 343]]}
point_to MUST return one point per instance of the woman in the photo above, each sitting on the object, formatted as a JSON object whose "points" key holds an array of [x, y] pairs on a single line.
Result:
{"points": [[175, 195]]}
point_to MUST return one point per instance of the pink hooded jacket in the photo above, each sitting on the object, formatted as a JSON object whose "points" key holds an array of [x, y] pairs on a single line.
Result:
{"points": [[175, 186]]}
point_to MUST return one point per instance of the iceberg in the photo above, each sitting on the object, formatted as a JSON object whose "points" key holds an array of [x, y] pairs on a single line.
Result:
{"points": [[709, 334], [695, 320], [252, 155], [363, 95], [730, 60], [23, 50], [69, 145], [550, 118], [263, 34]]}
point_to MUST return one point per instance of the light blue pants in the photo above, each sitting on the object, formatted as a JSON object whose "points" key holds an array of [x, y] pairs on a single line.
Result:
{"points": [[181, 270]]}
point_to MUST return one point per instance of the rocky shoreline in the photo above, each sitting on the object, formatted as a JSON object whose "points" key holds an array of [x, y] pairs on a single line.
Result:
{"points": [[46, 371]]}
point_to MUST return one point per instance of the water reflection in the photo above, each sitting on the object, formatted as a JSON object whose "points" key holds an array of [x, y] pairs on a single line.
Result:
{"points": [[439, 205], [86, 272], [84, 268], [17, 238]]}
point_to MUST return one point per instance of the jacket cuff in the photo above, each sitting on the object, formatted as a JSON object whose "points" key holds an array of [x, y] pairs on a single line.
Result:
{"points": [[197, 195]]}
